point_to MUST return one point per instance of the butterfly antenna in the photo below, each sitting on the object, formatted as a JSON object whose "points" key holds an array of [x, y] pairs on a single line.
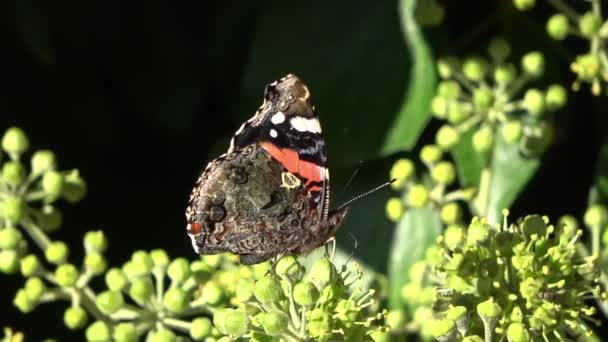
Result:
{"points": [[350, 180], [366, 193]]}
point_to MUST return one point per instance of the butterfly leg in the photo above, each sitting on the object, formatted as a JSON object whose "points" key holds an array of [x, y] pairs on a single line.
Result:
{"points": [[333, 248], [275, 261]]}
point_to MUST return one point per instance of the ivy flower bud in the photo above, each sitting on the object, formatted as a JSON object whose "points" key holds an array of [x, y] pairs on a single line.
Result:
{"points": [[13, 173], [533, 63], [116, 279], [395, 319], [161, 335], [483, 139], [458, 112], [179, 270], [517, 333], [449, 90], [430, 154], [444, 173], [478, 232], [483, 98], [530, 288], [446, 137], [109, 301], [504, 74], [75, 187], [14, 209], [50, 219], [453, 237], [10, 237], [444, 330], [23, 302], [141, 290], [95, 241], [159, 257], [200, 328], [394, 209], [490, 312], [141, 264], [267, 290], [34, 288], [52, 183], [322, 273], [320, 323], [30, 266], [499, 49], [236, 323], [556, 97], [274, 323], [524, 5], [75, 317], [557, 26], [596, 216], [589, 24], [212, 293], [125, 332], [15, 141], [475, 68], [534, 225], [98, 332], [305, 294], [417, 196], [445, 66], [511, 131], [43, 161], [289, 267], [587, 67], [534, 102], [439, 107], [459, 315], [402, 170], [176, 300], [95, 263], [66, 275], [244, 289], [9, 261], [57, 252]]}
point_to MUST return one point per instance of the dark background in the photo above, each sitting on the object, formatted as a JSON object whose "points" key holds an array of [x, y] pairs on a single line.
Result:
{"points": [[141, 97]]}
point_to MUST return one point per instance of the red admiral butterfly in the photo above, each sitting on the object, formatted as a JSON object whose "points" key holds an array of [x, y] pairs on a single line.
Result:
{"points": [[269, 194]]}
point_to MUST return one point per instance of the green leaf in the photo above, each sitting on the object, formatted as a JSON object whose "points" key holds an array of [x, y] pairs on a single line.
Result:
{"points": [[468, 162], [415, 232], [599, 189], [414, 113], [510, 172]]}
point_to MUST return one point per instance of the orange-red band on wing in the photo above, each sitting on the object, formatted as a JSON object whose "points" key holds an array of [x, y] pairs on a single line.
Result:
{"points": [[291, 161]]}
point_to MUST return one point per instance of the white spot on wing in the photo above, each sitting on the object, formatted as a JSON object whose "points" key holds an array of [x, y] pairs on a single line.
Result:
{"points": [[305, 125], [273, 133], [278, 118]]}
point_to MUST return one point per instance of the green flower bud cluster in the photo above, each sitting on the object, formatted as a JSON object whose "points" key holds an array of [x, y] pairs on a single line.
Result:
{"points": [[482, 97], [287, 303], [525, 280], [432, 192], [9, 335]]}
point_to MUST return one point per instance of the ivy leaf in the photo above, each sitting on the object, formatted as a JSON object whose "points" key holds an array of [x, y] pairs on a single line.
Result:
{"points": [[415, 232], [414, 113], [469, 163]]}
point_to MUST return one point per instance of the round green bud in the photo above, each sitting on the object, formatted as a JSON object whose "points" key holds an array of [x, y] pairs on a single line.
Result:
{"points": [[504, 74], [52, 183], [439, 107], [236, 323], [322, 273], [449, 90], [56, 252], [458, 112], [478, 232], [23, 302], [589, 24], [244, 289], [534, 102], [13, 173], [534, 225], [66, 275], [98, 332], [483, 139], [443, 329], [43, 161], [179, 270], [10, 237], [489, 309], [110, 301], [274, 323], [475, 68], [511, 131], [568, 222], [430, 154], [445, 66], [451, 213], [34, 288], [50, 219], [596, 216], [517, 333], [556, 97], [305, 294], [95, 241], [267, 290], [457, 313], [453, 237], [30, 266], [429, 14], [402, 170], [14, 209], [75, 317], [200, 328], [557, 26], [289, 267], [446, 137], [394, 209], [524, 5], [15, 141], [533, 63], [9, 261], [483, 98], [116, 279], [212, 293], [587, 67], [395, 319], [141, 290], [320, 323], [176, 300], [125, 332], [499, 49], [95, 263], [75, 187], [417, 196], [161, 335], [159, 257], [444, 173], [142, 263]]}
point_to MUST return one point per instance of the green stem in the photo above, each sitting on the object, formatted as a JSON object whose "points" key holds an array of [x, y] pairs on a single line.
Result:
{"points": [[36, 234], [584, 252], [88, 302], [597, 8], [595, 240], [516, 87], [567, 10], [177, 324], [480, 204]]}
